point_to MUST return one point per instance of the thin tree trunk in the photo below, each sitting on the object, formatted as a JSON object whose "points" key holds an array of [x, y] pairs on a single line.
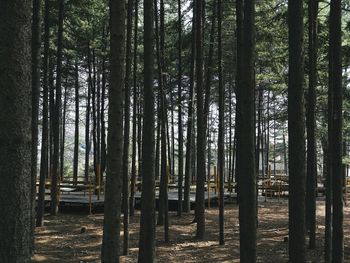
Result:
{"points": [[200, 188], [311, 124], [76, 132], [180, 131], [57, 115], [221, 147], [44, 164], [126, 177], [36, 60], [189, 152], [134, 126]]}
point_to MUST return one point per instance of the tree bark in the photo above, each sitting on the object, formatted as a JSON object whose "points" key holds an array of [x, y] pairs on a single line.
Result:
{"points": [[296, 129], [246, 136], [15, 131], [76, 131], [147, 222], [111, 224], [57, 115], [311, 183], [335, 46]]}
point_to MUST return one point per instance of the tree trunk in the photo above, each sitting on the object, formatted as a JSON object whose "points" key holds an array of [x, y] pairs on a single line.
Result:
{"points": [[36, 60], [311, 183], [126, 177], [180, 131], [76, 132], [134, 115], [57, 115], [189, 151], [15, 131], [45, 130], [296, 129], [200, 188], [111, 224], [246, 137], [221, 146], [147, 222], [335, 69]]}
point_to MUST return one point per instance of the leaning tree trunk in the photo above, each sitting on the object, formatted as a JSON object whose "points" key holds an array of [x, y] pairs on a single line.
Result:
{"points": [[147, 221], [15, 131], [296, 128], [111, 224]]}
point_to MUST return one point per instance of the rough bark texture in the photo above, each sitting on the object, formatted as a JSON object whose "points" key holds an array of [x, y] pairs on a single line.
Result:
{"points": [[111, 224], [311, 175], [296, 129], [147, 221], [246, 138], [337, 134], [15, 131]]}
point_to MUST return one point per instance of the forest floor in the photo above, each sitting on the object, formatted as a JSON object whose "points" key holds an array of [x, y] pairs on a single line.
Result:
{"points": [[62, 238]]}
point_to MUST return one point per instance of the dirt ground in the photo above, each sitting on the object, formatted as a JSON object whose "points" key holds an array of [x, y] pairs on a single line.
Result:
{"points": [[61, 240]]}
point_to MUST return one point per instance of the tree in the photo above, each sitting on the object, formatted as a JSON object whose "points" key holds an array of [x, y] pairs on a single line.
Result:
{"points": [[147, 221], [296, 128], [112, 208], [15, 132], [180, 132], [57, 114], [246, 135], [200, 188], [221, 146], [311, 124], [335, 70], [126, 177], [44, 169], [76, 131]]}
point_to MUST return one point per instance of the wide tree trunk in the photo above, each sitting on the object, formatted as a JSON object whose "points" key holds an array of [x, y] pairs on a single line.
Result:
{"points": [[335, 35], [246, 136], [15, 131], [147, 221], [111, 224], [296, 132]]}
